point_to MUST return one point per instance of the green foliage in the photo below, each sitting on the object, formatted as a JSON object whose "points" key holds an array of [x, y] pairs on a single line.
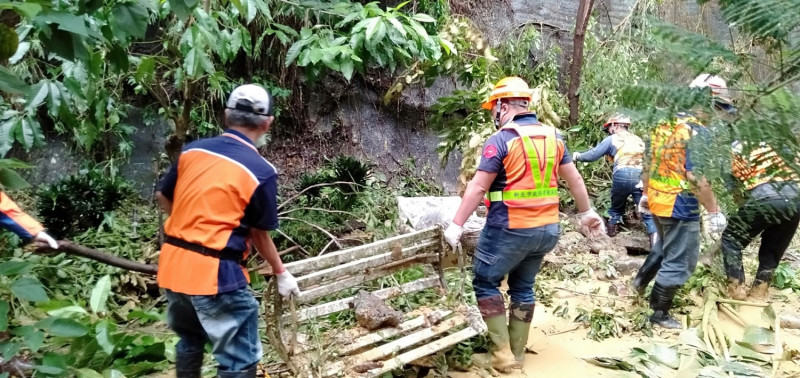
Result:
{"points": [[785, 277], [9, 178], [603, 322], [356, 37], [79, 202]]}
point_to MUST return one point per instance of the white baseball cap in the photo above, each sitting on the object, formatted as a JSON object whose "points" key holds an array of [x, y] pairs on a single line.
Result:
{"points": [[250, 98]]}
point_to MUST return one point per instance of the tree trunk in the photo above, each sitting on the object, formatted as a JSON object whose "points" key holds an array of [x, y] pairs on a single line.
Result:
{"points": [[575, 67], [79, 250], [175, 142]]}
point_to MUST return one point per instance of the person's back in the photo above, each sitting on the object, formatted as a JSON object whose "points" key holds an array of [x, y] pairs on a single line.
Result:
{"points": [[668, 188], [216, 182], [629, 150]]}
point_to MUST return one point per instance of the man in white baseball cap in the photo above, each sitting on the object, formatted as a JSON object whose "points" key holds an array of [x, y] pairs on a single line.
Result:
{"points": [[221, 195]]}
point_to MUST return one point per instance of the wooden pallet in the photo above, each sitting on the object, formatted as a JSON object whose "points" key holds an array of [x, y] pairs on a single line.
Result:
{"points": [[293, 325]]}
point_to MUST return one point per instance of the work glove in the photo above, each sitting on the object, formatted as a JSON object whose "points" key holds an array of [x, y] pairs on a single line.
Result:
{"points": [[640, 185], [716, 222], [576, 155], [453, 234], [287, 284], [42, 239], [592, 224], [644, 205]]}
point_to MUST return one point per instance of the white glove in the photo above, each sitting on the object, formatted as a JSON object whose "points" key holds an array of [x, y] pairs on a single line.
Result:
{"points": [[576, 155], [644, 205], [716, 222], [453, 234], [640, 185], [42, 239], [592, 224], [287, 284]]}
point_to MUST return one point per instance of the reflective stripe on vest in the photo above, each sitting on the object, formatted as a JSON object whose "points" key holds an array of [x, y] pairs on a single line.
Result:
{"points": [[542, 193]]}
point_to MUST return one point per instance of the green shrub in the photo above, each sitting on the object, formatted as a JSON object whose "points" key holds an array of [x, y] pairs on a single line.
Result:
{"points": [[79, 202]]}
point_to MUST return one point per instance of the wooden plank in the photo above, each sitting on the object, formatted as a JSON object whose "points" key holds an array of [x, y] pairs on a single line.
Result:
{"points": [[346, 255], [344, 304], [395, 346], [361, 265], [310, 295], [425, 350], [386, 333]]}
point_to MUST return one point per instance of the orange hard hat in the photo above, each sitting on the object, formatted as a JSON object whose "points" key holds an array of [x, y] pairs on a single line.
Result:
{"points": [[508, 87], [618, 118]]}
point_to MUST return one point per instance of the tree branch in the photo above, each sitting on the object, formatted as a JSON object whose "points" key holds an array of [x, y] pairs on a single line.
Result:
{"points": [[119, 262]]}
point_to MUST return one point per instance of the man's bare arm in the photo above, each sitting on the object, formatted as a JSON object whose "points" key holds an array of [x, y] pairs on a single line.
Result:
{"points": [[266, 248], [164, 202], [476, 189], [702, 190], [577, 188]]}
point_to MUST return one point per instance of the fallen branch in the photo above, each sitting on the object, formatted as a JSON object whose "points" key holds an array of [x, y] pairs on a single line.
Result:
{"points": [[266, 264], [71, 248], [731, 313]]}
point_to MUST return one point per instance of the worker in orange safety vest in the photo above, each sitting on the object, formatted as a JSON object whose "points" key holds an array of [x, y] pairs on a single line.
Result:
{"points": [[12, 218], [518, 173], [221, 196]]}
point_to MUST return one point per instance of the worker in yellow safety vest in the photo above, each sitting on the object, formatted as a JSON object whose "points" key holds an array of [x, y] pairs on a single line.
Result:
{"points": [[772, 209], [518, 173], [673, 193]]}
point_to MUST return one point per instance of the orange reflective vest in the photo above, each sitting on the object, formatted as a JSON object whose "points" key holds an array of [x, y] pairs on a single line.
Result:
{"points": [[668, 165], [531, 165], [760, 166]]}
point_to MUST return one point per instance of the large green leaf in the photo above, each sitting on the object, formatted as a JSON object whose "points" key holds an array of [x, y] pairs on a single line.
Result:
{"points": [[66, 21], [130, 19], [7, 127], [13, 268], [3, 316], [10, 83], [11, 180], [52, 364], [118, 57], [63, 327], [103, 333], [37, 94], [29, 289], [183, 8], [100, 293]]}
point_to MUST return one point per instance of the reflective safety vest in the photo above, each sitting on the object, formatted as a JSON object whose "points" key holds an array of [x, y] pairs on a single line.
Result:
{"points": [[668, 164], [760, 166], [531, 167], [630, 150]]}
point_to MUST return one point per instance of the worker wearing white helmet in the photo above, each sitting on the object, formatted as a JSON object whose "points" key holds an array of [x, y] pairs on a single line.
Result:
{"points": [[626, 150]]}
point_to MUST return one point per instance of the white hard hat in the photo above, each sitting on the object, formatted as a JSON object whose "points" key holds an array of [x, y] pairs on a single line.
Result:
{"points": [[617, 119], [250, 98], [719, 88]]}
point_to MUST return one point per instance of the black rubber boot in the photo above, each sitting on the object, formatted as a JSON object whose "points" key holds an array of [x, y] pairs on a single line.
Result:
{"points": [[188, 365], [648, 271], [661, 302], [246, 373]]}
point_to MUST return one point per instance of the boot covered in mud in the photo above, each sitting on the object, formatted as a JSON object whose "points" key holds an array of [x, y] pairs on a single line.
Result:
{"points": [[520, 316], [613, 229], [188, 365], [653, 240], [493, 311], [736, 290], [661, 302], [246, 373]]}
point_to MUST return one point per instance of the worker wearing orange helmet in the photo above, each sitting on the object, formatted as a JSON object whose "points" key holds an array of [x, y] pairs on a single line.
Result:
{"points": [[518, 173], [627, 151], [674, 193]]}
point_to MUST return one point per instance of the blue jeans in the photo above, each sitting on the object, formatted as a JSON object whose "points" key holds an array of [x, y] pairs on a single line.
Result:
{"points": [[623, 184], [678, 248], [229, 321], [516, 252]]}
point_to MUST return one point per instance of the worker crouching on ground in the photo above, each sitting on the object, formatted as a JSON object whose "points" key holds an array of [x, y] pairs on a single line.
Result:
{"points": [[221, 196], [672, 192], [627, 152], [518, 174], [772, 209], [12, 218]]}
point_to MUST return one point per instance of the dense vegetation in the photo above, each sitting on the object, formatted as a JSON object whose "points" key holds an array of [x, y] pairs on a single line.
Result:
{"points": [[80, 66]]}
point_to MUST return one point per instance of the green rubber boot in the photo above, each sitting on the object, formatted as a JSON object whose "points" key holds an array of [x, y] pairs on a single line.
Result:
{"points": [[519, 327], [493, 311]]}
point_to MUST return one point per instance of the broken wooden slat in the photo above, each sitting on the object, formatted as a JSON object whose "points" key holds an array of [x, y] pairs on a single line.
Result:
{"points": [[344, 304], [425, 350], [386, 333], [347, 255], [362, 265], [311, 295], [409, 340]]}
